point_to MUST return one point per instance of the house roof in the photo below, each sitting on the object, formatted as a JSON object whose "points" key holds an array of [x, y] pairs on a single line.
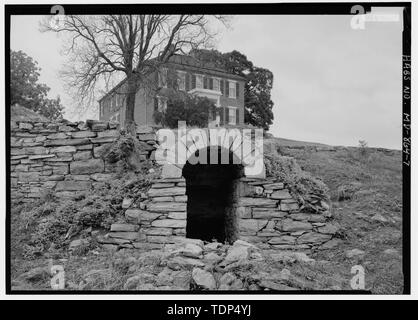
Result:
{"points": [[191, 63]]}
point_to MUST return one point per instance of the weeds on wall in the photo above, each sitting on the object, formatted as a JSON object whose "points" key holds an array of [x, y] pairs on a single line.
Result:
{"points": [[311, 193], [50, 224], [127, 151]]}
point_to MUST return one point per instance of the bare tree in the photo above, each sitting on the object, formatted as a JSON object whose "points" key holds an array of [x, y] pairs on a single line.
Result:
{"points": [[132, 45]]}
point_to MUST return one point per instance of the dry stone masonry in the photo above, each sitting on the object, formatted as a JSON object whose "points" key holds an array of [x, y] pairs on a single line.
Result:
{"points": [[265, 213], [64, 157]]}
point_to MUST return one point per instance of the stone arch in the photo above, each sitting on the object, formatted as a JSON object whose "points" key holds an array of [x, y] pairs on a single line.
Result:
{"points": [[173, 161], [212, 187], [212, 193]]}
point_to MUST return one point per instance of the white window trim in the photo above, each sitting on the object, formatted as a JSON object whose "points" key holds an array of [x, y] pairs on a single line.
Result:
{"points": [[199, 76], [219, 84], [234, 115], [181, 75], [234, 96]]}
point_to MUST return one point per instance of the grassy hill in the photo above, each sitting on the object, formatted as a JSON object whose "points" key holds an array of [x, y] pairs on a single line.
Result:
{"points": [[371, 216]]}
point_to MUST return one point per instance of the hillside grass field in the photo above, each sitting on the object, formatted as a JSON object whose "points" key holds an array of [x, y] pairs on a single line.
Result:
{"points": [[366, 193], [371, 220]]}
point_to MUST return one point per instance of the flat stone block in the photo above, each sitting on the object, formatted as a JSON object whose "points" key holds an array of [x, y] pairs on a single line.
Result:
{"points": [[83, 134], [175, 191], [159, 232], [171, 171], [66, 142], [89, 166], [178, 215], [291, 225], [257, 202], [313, 237], [124, 227], [251, 225], [124, 235], [73, 185], [273, 186], [169, 223], [166, 206], [281, 194], [267, 214]]}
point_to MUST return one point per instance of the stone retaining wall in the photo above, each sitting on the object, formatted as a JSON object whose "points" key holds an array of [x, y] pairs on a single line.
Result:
{"points": [[67, 158], [265, 212], [64, 157]]}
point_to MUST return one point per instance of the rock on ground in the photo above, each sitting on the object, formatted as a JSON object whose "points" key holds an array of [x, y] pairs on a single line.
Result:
{"points": [[204, 279]]}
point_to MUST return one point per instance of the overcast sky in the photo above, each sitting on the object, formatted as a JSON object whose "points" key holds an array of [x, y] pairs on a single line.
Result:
{"points": [[332, 84]]}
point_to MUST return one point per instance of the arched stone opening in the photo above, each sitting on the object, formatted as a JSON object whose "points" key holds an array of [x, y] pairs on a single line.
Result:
{"points": [[212, 192]]}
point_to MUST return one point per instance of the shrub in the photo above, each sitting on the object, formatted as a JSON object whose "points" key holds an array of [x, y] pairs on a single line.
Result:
{"points": [[49, 225], [127, 151], [192, 109], [347, 191], [362, 144], [311, 193]]}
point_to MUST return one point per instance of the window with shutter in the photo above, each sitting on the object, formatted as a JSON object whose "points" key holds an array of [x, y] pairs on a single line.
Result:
{"points": [[227, 88], [199, 81], [181, 80], [187, 81], [193, 81], [237, 116], [232, 89], [221, 115], [226, 115], [232, 116], [237, 89], [205, 83], [211, 83], [215, 84], [222, 87]]}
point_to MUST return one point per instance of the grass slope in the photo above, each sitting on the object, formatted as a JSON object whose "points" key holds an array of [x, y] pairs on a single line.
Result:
{"points": [[371, 221]]}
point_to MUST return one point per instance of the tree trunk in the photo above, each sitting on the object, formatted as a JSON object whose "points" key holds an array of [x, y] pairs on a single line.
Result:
{"points": [[130, 106]]}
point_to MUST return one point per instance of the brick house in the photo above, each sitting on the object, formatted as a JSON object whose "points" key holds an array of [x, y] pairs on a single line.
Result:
{"points": [[180, 74]]}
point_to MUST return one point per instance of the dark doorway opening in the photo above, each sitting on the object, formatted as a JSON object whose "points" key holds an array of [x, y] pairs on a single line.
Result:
{"points": [[212, 191]]}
